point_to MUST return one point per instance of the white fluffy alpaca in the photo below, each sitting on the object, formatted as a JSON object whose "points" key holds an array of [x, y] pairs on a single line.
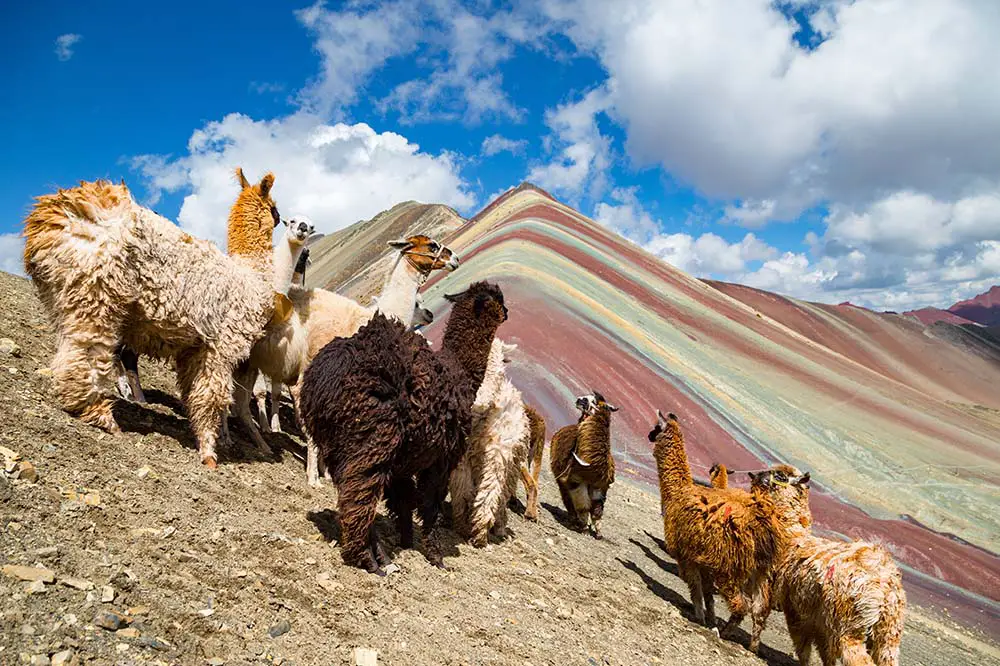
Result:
{"points": [[488, 474]]}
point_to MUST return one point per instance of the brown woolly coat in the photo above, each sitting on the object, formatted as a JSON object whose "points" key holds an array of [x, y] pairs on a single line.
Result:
{"points": [[532, 468], [383, 408], [590, 439]]}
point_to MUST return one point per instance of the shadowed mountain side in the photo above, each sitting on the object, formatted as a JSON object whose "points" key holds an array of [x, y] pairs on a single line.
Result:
{"points": [[983, 309], [883, 437], [356, 260], [933, 315]]}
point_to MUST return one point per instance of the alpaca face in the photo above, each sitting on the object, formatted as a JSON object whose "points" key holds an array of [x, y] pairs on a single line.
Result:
{"points": [[299, 229], [426, 254], [662, 422], [780, 476], [593, 403]]}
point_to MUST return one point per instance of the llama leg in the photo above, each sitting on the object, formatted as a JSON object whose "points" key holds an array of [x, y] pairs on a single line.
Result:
{"points": [[853, 652], [275, 406], [801, 638], [580, 499], [760, 608], [567, 500], [531, 492], [358, 503], [244, 377], [461, 486], [401, 500], [432, 486], [263, 422], [499, 529], [209, 382], [708, 593], [83, 368], [596, 511], [130, 363], [312, 463], [738, 606], [690, 575], [887, 633]]}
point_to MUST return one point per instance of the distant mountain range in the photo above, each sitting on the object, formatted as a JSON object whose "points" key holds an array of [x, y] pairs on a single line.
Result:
{"points": [[983, 309]]}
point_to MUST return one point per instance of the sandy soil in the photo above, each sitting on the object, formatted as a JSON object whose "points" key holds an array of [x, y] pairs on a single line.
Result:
{"points": [[241, 566]]}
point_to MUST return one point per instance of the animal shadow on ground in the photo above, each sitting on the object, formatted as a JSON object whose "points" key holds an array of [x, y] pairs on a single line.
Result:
{"points": [[158, 397], [327, 522], [740, 637], [146, 420], [560, 516]]}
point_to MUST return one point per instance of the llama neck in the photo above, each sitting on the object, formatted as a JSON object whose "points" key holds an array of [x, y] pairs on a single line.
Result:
{"points": [[399, 294], [792, 506], [244, 239], [494, 377], [469, 344], [672, 463], [593, 445], [286, 256]]}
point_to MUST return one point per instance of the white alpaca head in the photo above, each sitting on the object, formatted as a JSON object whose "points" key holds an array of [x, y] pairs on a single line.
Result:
{"points": [[298, 229]]}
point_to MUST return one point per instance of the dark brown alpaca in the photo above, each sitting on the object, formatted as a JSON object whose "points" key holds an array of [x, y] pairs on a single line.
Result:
{"points": [[581, 460], [390, 418]]}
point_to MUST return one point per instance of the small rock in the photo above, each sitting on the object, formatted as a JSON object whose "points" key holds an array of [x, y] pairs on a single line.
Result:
{"points": [[310, 560], [136, 611], [78, 583], [154, 642], [29, 573], [14, 371], [62, 658], [8, 454], [280, 629], [216, 661], [70, 620], [365, 657], [256, 649], [550, 542], [122, 647], [10, 348], [391, 568], [47, 552], [40, 660], [26, 472], [167, 531], [34, 587], [110, 620], [107, 594], [27, 630], [92, 498], [131, 632], [206, 612], [494, 594], [143, 472], [44, 372]]}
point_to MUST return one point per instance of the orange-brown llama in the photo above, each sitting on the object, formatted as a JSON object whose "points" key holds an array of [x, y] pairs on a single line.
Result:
{"points": [[533, 466], [723, 538], [846, 598], [581, 460], [718, 476], [110, 271]]}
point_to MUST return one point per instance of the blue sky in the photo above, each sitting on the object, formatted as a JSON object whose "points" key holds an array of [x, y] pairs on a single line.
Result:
{"points": [[824, 149]]}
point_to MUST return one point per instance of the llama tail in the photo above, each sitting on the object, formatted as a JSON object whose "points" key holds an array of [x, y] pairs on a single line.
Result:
{"points": [[65, 229], [887, 633]]}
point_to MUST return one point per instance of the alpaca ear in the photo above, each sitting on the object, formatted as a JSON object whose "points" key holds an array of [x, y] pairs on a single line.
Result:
{"points": [[454, 298], [244, 183], [802, 480], [313, 238], [399, 244], [659, 417], [611, 407], [266, 183]]}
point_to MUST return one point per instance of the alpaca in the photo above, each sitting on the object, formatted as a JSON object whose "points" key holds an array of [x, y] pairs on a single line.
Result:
{"points": [[847, 598], [581, 460], [718, 476], [391, 418], [498, 446], [533, 462], [110, 271], [728, 539]]}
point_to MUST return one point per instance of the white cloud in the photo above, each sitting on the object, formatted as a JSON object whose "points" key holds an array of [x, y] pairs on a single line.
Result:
{"points": [[12, 253], [65, 44], [584, 155], [903, 94], [266, 87], [336, 174], [495, 143]]}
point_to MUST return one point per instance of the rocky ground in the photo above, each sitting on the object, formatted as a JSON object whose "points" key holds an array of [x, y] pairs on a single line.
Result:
{"points": [[124, 550]]}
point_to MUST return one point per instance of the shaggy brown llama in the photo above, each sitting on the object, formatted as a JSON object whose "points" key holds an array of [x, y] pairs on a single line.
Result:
{"points": [[533, 466], [718, 476], [846, 598], [391, 418], [110, 271], [723, 538], [581, 461]]}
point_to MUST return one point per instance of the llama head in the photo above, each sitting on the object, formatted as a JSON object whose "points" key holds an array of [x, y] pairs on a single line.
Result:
{"points": [[668, 423], [789, 489], [298, 229], [481, 301], [253, 217], [593, 403], [425, 254]]}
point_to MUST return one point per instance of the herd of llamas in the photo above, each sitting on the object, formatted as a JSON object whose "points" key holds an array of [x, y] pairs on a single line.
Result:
{"points": [[387, 417]]}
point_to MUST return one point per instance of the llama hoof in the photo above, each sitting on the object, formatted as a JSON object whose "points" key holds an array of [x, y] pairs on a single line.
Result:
{"points": [[378, 571], [597, 535], [210, 462], [715, 630], [315, 483]]}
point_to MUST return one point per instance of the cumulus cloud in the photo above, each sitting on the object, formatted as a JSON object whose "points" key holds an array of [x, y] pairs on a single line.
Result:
{"points": [[336, 174], [12, 253], [583, 154], [495, 144], [65, 44]]}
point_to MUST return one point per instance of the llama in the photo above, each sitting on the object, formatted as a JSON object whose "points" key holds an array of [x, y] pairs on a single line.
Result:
{"points": [[718, 476], [498, 446], [723, 538], [846, 598], [532, 467], [111, 271], [581, 460], [391, 418]]}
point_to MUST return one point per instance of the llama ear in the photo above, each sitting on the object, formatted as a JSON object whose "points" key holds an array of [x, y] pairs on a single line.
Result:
{"points": [[399, 244], [659, 417], [753, 477], [611, 407], [244, 183], [313, 238], [454, 298], [802, 480], [266, 183]]}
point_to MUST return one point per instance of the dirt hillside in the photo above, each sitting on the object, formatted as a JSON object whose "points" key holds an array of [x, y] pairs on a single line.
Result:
{"points": [[142, 556]]}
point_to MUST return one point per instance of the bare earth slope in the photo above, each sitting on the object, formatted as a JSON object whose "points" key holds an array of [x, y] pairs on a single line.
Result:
{"points": [[203, 567]]}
